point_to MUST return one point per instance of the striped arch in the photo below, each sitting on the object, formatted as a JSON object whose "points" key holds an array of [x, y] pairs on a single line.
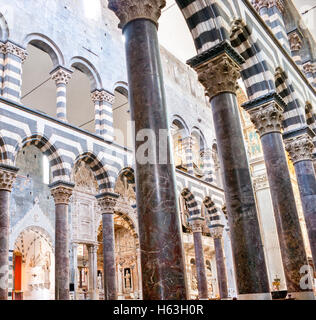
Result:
{"points": [[59, 172], [129, 173], [208, 23], [99, 171], [191, 202], [294, 114], [310, 116], [214, 215], [255, 72]]}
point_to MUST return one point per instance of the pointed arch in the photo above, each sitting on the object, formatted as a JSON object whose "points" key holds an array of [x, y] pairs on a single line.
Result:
{"points": [[191, 202]]}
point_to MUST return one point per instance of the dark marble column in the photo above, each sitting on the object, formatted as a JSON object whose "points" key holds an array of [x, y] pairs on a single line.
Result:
{"points": [[218, 71], [107, 202], [162, 257], [217, 235], [197, 225], [61, 191], [7, 178], [300, 148], [267, 116]]}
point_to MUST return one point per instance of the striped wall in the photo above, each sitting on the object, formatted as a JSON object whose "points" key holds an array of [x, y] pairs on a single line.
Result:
{"points": [[95, 96], [106, 115], [214, 215], [213, 22], [10, 276], [294, 113]]}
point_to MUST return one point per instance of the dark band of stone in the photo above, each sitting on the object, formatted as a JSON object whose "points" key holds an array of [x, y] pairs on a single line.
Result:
{"points": [[223, 47], [299, 132], [9, 168], [61, 184], [107, 194], [263, 100]]}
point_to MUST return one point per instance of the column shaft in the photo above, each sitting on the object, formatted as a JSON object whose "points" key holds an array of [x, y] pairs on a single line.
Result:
{"points": [[92, 273], [289, 230], [251, 272], [200, 265], [307, 185], [159, 225], [221, 269], [61, 253], [4, 243], [110, 287]]}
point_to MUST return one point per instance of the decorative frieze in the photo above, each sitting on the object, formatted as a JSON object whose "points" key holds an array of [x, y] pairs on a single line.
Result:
{"points": [[300, 148], [309, 67], [259, 4], [102, 96], [129, 10], [61, 193], [267, 119], [7, 178], [61, 76], [260, 182], [107, 202]]}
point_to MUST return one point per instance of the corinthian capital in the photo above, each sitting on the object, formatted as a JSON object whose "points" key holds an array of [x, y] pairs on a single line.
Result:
{"points": [[129, 10], [61, 192], [259, 4], [107, 202], [267, 119], [7, 178], [219, 75], [13, 49], [309, 67], [300, 148], [61, 76]]}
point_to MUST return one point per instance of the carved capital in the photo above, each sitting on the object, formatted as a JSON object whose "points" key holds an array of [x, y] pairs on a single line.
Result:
{"points": [[107, 202], [267, 119], [219, 75], [309, 67], [300, 148], [61, 76], [197, 223], [259, 4], [107, 97], [129, 10], [7, 178], [11, 48], [295, 41], [61, 193], [217, 232]]}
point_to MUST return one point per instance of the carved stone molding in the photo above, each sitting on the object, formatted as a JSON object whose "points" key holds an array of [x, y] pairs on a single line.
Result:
{"points": [[61, 193], [217, 232], [129, 10], [187, 142], [267, 119], [11, 48], [61, 76], [260, 182], [295, 41], [107, 202], [7, 178], [196, 224], [300, 148], [219, 75], [259, 4]]}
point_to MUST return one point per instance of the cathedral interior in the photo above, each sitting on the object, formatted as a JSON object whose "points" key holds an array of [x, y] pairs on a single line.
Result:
{"points": [[128, 172]]}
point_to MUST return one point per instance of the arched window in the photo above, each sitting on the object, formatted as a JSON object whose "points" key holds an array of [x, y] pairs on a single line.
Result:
{"points": [[178, 134]]}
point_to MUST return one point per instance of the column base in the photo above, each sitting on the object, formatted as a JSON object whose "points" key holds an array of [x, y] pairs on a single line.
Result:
{"points": [[255, 296], [309, 295]]}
